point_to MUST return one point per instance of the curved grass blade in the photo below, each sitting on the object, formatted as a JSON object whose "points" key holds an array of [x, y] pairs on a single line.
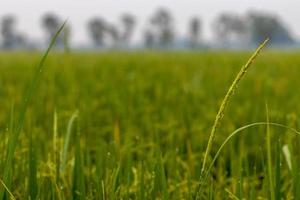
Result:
{"points": [[13, 140], [237, 131]]}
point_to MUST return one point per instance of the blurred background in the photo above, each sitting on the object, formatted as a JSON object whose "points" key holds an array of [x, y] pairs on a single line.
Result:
{"points": [[155, 24]]}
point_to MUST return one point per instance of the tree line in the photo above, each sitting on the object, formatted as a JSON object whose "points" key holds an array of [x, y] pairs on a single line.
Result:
{"points": [[229, 30]]}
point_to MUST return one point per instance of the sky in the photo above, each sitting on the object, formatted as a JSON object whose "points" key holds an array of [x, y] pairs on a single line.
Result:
{"points": [[78, 12]]}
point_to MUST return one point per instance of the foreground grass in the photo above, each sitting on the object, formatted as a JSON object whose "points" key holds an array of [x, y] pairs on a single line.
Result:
{"points": [[136, 125]]}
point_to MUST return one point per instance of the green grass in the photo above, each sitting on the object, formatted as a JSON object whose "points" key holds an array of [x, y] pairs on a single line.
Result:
{"points": [[143, 125]]}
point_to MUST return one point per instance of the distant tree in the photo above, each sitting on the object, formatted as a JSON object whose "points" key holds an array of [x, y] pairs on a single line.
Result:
{"points": [[11, 38], [229, 27], [97, 28], [51, 23], [8, 32], [114, 35], [194, 32], [263, 25], [252, 28], [149, 39], [128, 22], [162, 22]]}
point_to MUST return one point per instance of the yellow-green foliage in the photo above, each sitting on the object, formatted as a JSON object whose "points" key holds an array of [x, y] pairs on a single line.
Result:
{"points": [[142, 124]]}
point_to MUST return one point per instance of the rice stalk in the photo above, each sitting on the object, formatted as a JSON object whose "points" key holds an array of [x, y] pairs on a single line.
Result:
{"points": [[226, 100]]}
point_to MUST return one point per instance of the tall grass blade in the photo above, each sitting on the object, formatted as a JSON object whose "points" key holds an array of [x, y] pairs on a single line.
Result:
{"points": [[8, 191], [231, 195], [32, 186], [278, 172], [142, 194], [55, 150], [78, 174], [13, 140], [269, 158], [103, 190], [287, 156], [64, 152], [160, 187], [115, 182]]}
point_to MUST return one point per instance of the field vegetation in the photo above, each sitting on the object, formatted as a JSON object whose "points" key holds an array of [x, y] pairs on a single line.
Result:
{"points": [[121, 125]]}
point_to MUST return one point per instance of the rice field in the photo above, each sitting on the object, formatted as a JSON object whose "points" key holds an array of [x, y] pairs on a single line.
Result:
{"points": [[135, 125]]}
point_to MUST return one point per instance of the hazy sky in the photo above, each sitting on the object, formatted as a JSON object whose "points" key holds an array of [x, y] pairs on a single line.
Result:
{"points": [[79, 11]]}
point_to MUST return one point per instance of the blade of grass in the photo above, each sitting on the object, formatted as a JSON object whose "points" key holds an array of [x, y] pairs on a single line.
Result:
{"points": [[64, 152], [142, 194], [103, 190], [269, 158], [32, 186], [231, 195], [8, 191], [160, 184], [237, 131], [117, 135], [78, 175], [115, 182], [278, 172], [287, 156], [295, 170], [13, 140], [55, 150]]}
